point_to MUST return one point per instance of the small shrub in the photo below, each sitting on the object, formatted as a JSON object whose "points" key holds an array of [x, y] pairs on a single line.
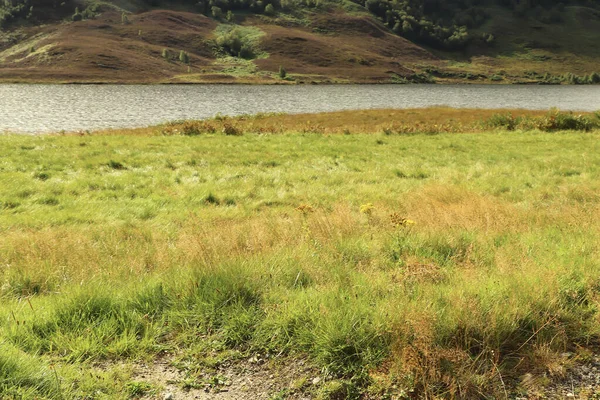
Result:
{"points": [[91, 11], [231, 42], [246, 52], [166, 54], [191, 129], [42, 176], [551, 122], [282, 72], [231, 130], [115, 165], [505, 121], [556, 121], [184, 57], [230, 16], [217, 12], [188, 128], [212, 199], [239, 42], [270, 10], [571, 78], [124, 18], [77, 16]]}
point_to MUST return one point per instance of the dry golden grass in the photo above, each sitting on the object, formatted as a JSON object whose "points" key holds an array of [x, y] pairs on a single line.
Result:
{"points": [[419, 120]]}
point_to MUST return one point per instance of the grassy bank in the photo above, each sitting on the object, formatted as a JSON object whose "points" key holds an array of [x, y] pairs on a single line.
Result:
{"points": [[449, 265]]}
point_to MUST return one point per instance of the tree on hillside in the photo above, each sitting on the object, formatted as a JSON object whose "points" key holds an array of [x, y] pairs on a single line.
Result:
{"points": [[77, 16], [217, 12], [184, 57]]}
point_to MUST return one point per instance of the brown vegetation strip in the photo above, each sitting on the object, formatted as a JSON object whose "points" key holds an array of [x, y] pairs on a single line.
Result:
{"points": [[415, 120]]}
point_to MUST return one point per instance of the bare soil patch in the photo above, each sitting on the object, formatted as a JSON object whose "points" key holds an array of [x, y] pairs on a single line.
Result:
{"points": [[251, 378]]}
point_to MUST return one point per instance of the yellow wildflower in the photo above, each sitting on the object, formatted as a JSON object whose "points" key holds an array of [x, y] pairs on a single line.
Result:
{"points": [[367, 208], [399, 221]]}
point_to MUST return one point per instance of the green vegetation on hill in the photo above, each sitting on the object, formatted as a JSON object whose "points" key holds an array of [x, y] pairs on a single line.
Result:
{"points": [[239, 41], [446, 23], [445, 265]]}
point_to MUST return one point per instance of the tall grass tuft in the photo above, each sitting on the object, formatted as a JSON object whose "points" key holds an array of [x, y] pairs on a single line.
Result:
{"points": [[24, 376]]}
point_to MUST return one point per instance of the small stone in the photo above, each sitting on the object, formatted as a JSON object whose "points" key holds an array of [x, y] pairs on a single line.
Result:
{"points": [[316, 381], [570, 395], [169, 396]]}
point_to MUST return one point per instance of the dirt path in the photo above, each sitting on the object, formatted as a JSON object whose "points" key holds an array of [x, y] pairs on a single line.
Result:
{"points": [[253, 378], [263, 378]]}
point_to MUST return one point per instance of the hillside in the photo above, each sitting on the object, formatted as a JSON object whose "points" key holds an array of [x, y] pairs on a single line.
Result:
{"points": [[374, 41]]}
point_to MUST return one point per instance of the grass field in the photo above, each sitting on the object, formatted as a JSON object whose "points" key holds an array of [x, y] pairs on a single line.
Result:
{"points": [[448, 264]]}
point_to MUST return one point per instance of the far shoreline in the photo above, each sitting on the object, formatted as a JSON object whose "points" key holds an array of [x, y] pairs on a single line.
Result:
{"points": [[269, 83]]}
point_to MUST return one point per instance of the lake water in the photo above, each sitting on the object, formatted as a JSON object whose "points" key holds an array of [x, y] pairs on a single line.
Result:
{"points": [[52, 108]]}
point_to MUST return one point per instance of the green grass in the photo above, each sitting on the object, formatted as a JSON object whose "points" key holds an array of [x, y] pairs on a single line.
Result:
{"points": [[249, 36], [116, 248]]}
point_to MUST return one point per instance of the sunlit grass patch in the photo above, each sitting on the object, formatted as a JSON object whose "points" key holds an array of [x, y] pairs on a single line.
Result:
{"points": [[442, 265]]}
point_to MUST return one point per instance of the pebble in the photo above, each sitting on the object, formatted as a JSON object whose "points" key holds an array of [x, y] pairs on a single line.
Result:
{"points": [[316, 381], [169, 396]]}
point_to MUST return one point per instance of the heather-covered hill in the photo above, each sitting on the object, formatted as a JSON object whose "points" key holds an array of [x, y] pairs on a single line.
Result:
{"points": [[281, 41]]}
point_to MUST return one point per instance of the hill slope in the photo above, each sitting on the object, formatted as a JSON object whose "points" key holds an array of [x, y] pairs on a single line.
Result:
{"points": [[133, 42]]}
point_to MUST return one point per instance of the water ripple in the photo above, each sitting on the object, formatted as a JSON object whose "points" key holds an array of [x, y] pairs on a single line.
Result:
{"points": [[51, 108]]}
